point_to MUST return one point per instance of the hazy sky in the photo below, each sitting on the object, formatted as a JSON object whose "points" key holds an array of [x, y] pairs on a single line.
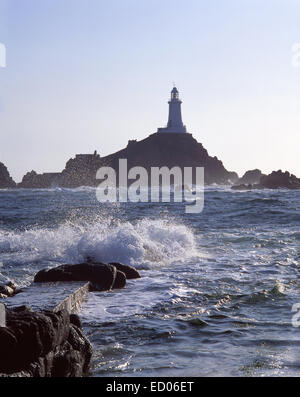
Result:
{"points": [[90, 74]]}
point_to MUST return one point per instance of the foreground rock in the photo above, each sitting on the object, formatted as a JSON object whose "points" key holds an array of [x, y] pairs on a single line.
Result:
{"points": [[102, 277], [5, 179], [129, 271], [43, 344], [275, 180]]}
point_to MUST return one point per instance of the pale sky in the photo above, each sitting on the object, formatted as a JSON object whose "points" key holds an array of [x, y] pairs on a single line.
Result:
{"points": [[90, 74]]}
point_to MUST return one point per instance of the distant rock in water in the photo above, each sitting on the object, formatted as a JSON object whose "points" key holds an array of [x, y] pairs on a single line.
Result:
{"points": [[250, 177], [6, 180], [32, 180], [275, 180], [279, 179], [157, 150], [81, 171]]}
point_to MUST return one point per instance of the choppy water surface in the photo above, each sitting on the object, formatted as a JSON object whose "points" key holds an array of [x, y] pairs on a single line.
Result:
{"points": [[216, 291]]}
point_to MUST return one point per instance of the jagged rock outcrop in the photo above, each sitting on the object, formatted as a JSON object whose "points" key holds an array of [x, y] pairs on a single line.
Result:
{"points": [[102, 277], [6, 180], [157, 150], [279, 179], [32, 180], [81, 171], [275, 180], [250, 177], [43, 344]]}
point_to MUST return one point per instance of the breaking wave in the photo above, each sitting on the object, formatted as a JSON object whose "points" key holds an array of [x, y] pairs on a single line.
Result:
{"points": [[145, 243]]}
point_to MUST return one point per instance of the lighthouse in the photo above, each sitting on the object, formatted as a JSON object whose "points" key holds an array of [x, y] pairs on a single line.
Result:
{"points": [[175, 124]]}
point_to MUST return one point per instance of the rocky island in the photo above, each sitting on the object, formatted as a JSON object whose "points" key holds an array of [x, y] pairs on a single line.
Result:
{"points": [[171, 146], [275, 180], [157, 150]]}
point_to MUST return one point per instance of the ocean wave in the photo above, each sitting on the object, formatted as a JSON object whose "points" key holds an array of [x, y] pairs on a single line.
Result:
{"points": [[143, 243]]}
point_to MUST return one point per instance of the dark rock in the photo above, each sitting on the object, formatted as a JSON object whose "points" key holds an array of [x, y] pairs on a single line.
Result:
{"points": [[157, 150], [32, 180], [35, 336], [120, 280], [75, 320], [64, 362], [61, 324], [101, 276], [8, 345], [8, 290], [279, 180], [5, 179], [12, 285], [250, 177], [130, 271], [275, 180], [79, 343], [182, 150], [42, 344]]}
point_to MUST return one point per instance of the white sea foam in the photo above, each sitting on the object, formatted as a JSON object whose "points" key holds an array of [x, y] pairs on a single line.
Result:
{"points": [[143, 244]]}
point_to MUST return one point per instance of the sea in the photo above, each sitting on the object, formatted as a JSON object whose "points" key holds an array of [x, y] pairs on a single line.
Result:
{"points": [[219, 289]]}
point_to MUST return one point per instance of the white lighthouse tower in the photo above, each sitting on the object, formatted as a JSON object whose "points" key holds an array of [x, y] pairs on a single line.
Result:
{"points": [[175, 124]]}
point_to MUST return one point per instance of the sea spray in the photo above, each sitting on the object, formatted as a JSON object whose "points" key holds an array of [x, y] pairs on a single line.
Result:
{"points": [[142, 243]]}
